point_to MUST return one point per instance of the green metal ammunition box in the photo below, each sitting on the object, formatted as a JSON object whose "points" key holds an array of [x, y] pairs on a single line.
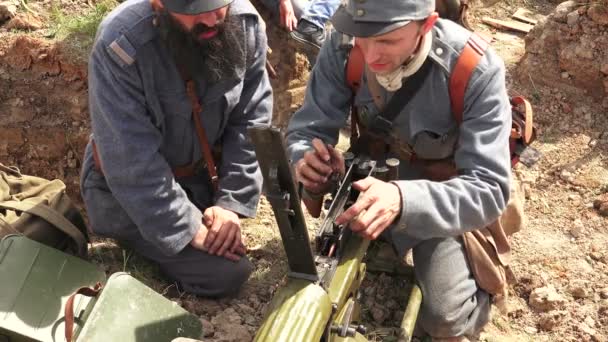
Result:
{"points": [[36, 282]]}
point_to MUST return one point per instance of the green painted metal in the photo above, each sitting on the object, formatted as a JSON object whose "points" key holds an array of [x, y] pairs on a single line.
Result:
{"points": [[357, 338], [129, 311], [36, 281], [406, 330], [340, 320], [348, 275], [299, 311]]}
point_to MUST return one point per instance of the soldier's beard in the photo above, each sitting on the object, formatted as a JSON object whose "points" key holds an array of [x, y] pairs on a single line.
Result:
{"points": [[214, 59]]}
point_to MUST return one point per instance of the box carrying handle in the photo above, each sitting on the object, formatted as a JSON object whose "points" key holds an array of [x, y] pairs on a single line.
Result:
{"points": [[69, 307]]}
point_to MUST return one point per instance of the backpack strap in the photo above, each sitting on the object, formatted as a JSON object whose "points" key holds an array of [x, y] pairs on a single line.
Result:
{"points": [[354, 71], [55, 219], [470, 56], [354, 68]]}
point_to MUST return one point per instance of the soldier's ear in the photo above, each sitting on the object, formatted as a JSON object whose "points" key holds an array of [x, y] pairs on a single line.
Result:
{"points": [[157, 5], [429, 23]]}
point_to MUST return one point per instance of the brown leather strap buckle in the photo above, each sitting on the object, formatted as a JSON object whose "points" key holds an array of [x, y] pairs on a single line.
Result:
{"points": [[69, 307], [526, 119]]}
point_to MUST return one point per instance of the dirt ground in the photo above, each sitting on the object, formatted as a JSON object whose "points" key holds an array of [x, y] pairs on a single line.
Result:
{"points": [[560, 257]]}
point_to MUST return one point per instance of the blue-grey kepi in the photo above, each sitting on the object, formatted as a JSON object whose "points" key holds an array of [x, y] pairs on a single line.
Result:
{"points": [[367, 18], [192, 7]]}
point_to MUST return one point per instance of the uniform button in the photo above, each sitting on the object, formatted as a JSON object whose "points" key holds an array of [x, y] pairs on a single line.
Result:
{"points": [[360, 13], [439, 51]]}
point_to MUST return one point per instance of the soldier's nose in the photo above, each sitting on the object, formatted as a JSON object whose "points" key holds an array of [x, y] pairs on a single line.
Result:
{"points": [[209, 18]]}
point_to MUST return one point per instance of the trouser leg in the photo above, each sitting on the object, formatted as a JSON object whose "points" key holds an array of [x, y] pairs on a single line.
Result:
{"points": [[198, 272], [452, 304]]}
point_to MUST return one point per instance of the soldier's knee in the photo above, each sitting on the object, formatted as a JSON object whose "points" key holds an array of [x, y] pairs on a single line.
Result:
{"points": [[233, 276], [443, 317], [441, 321], [225, 280]]}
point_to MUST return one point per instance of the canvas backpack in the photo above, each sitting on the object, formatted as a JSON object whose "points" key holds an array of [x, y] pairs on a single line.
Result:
{"points": [[41, 210]]}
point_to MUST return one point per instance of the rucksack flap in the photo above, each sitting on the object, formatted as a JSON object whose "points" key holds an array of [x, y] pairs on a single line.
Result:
{"points": [[41, 210]]}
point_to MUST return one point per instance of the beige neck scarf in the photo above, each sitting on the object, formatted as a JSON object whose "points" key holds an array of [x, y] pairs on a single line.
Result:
{"points": [[394, 80]]}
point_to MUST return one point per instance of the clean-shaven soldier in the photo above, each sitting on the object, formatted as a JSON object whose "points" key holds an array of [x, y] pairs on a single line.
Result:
{"points": [[397, 37]]}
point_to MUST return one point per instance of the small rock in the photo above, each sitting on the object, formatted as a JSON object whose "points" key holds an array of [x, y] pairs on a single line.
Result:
{"points": [[577, 229], [566, 175], [561, 11], [369, 302], [603, 308], [583, 327], [550, 320], [250, 320], [565, 75], [546, 299], [24, 21], [572, 18], [598, 13], [589, 321], [208, 328], [597, 256], [235, 333], [8, 10], [247, 310], [604, 293], [209, 306], [578, 291], [391, 304], [378, 314], [530, 330], [604, 69], [254, 301], [228, 327], [72, 163], [527, 191], [602, 209]]}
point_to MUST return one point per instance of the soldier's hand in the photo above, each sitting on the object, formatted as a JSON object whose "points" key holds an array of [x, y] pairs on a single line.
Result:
{"points": [[317, 165], [378, 205], [220, 234], [287, 14]]}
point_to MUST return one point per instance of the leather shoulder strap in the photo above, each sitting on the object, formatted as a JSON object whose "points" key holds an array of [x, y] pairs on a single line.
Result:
{"points": [[470, 56], [354, 68], [201, 134]]}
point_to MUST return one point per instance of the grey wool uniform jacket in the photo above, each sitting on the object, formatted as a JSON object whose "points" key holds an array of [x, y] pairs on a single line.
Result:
{"points": [[479, 145], [142, 126]]}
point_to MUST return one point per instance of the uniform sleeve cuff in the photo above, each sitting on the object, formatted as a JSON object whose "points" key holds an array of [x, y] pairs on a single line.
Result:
{"points": [[240, 209], [183, 238]]}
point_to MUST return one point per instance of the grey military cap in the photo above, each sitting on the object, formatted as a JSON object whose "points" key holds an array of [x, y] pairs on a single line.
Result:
{"points": [[367, 18], [192, 7]]}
